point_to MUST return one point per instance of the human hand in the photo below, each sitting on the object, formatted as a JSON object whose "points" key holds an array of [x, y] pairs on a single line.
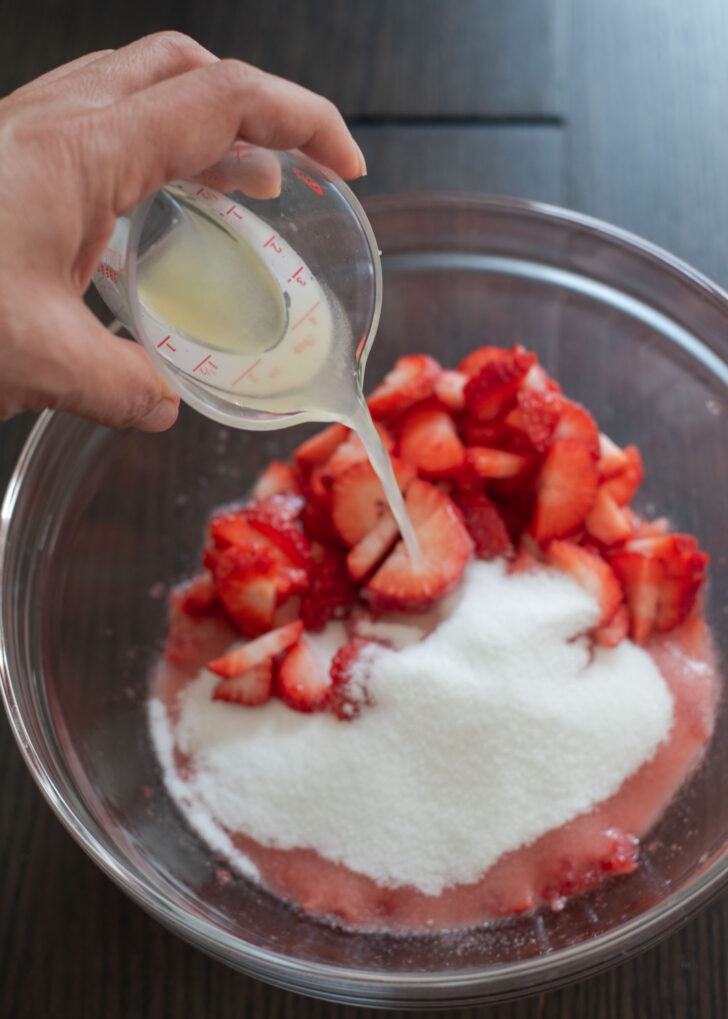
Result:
{"points": [[84, 144]]}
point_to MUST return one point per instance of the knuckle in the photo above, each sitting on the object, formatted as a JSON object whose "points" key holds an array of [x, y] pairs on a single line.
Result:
{"points": [[176, 45]]}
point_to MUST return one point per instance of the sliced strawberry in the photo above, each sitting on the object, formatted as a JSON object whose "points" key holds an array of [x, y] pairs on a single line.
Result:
{"points": [[623, 485], [485, 525], [358, 499], [496, 463], [591, 572], [429, 440], [412, 379], [477, 359], [575, 422], [612, 458], [277, 520], [330, 593], [276, 478], [319, 447], [243, 657], [445, 546], [368, 553], [536, 413], [538, 380], [195, 598], [609, 523], [251, 688], [617, 629], [662, 545], [640, 577], [486, 433], [348, 671], [493, 390], [450, 389], [682, 577], [300, 681], [232, 528], [566, 488], [251, 583]]}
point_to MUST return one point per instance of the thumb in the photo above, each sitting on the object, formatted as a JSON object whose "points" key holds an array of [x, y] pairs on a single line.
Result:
{"points": [[87, 371]]}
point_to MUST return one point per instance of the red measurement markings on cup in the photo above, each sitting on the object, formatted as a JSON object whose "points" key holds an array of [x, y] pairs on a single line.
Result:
{"points": [[234, 211], [296, 277], [303, 345], [248, 374], [165, 343], [206, 366], [308, 317], [308, 180], [205, 194], [271, 243]]}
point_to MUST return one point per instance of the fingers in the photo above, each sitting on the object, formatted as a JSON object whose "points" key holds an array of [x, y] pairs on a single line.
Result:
{"points": [[54, 76], [85, 370], [178, 127], [101, 78]]}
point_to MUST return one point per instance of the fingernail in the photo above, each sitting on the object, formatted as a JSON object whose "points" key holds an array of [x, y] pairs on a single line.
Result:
{"points": [[160, 417], [362, 163]]}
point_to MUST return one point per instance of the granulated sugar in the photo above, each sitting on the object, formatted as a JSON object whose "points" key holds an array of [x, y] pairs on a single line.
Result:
{"points": [[494, 729]]}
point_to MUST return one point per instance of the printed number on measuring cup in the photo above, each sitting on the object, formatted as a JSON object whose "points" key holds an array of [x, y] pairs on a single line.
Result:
{"points": [[308, 179]]}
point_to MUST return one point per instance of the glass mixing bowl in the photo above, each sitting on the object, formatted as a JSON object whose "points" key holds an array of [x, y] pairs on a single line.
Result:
{"points": [[96, 526]]}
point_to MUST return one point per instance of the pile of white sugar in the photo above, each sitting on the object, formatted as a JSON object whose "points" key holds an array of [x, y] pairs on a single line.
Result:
{"points": [[494, 729]]}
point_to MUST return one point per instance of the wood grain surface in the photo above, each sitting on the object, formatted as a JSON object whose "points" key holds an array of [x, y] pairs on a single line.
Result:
{"points": [[618, 109]]}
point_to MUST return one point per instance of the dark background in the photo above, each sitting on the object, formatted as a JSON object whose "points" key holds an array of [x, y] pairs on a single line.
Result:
{"points": [[617, 108]]}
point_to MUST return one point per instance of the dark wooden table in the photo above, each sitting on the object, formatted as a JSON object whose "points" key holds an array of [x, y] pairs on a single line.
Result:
{"points": [[619, 109]]}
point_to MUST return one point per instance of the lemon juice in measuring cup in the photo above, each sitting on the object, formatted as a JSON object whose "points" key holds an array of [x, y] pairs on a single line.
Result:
{"points": [[256, 288]]}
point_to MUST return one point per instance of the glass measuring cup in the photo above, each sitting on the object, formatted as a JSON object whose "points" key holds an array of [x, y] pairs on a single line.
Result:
{"points": [[255, 288]]}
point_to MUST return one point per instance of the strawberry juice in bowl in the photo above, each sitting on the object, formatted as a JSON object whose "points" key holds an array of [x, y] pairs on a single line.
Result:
{"points": [[628, 334]]}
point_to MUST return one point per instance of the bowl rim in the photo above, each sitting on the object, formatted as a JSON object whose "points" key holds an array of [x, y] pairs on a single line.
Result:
{"points": [[326, 980]]}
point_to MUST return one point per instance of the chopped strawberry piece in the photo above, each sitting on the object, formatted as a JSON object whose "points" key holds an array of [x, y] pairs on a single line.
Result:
{"points": [[662, 545], [195, 598], [476, 360], [640, 577], [348, 671], [612, 458], [493, 390], [276, 478], [591, 572], [429, 440], [450, 389], [486, 433], [319, 447], [250, 688], [358, 499], [244, 657], [575, 422], [412, 379], [609, 523], [536, 413], [682, 577], [277, 519], [445, 546], [368, 553], [623, 485], [232, 528], [566, 488], [496, 463], [485, 525], [300, 681], [251, 583], [611, 633], [537, 379], [330, 593]]}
